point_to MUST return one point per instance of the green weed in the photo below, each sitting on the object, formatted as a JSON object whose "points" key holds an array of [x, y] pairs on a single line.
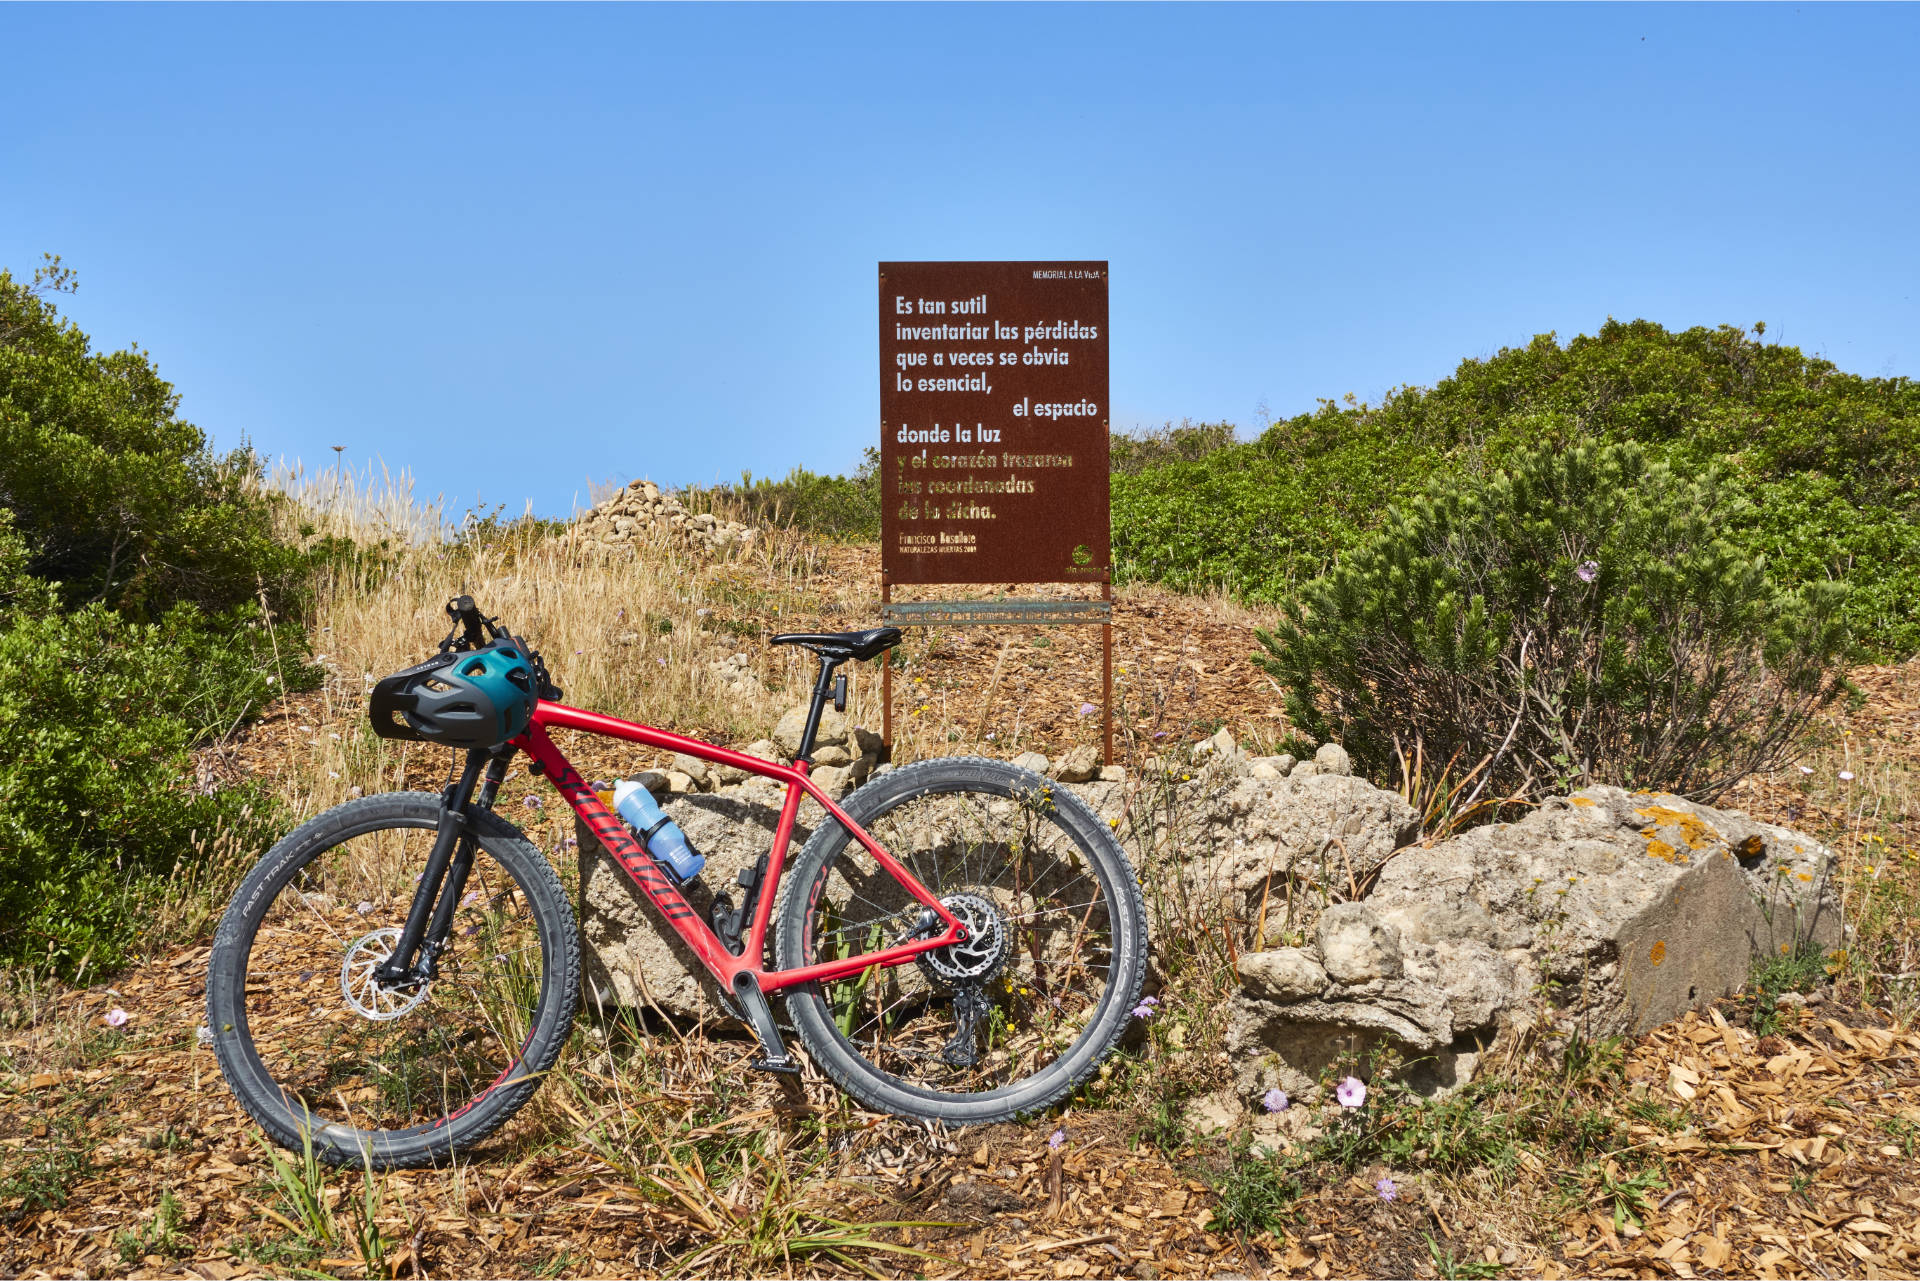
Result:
{"points": [[1255, 1193], [1451, 1268], [160, 1235], [51, 1168]]}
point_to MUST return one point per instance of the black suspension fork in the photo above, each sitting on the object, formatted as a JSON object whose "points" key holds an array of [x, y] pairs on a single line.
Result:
{"points": [[430, 915]]}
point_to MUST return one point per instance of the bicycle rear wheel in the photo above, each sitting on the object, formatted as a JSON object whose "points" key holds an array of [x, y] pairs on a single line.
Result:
{"points": [[1006, 1023], [316, 1049]]}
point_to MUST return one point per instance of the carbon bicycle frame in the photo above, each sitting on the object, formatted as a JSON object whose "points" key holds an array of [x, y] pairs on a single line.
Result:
{"points": [[659, 887]]}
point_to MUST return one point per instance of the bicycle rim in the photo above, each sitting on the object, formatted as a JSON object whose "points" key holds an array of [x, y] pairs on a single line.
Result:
{"points": [[345, 1051], [1030, 985]]}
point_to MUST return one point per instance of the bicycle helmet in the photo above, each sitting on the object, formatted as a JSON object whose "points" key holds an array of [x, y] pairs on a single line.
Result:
{"points": [[475, 698]]}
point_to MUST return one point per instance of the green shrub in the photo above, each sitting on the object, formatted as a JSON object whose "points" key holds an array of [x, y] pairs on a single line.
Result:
{"points": [[1129, 453], [132, 567], [1829, 461], [98, 803], [118, 498], [842, 507], [1575, 617]]}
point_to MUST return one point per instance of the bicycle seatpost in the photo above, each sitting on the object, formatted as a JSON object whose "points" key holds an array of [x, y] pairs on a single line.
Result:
{"points": [[820, 691]]}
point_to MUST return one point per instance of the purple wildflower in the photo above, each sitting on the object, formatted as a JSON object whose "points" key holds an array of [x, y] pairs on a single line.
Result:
{"points": [[1275, 1100], [1588, 571], [364, 907], [1387, 1189], [1086, 709], [1144, 1010], [116, 1017], [1057, 1139], [533, 802], [1351, 1092]]}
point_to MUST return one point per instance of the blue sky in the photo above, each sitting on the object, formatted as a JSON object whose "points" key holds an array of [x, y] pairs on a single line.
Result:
{"points": [[513, 248]]}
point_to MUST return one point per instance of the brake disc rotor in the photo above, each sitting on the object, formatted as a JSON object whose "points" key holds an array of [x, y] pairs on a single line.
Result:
{"points": [[365, 994], [981, 956]]}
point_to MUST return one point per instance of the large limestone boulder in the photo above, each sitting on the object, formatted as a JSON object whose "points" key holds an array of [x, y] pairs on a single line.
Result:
{"points": [[1641, 905], [1625, 909], [1246, 832]]}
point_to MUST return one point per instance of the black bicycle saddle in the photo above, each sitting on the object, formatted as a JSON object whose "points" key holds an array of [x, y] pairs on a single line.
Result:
{"points": [[840, 646]]}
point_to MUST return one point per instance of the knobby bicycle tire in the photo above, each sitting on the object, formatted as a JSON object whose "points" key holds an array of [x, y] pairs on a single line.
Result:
{"points": [[553, 987], [985, 785]]}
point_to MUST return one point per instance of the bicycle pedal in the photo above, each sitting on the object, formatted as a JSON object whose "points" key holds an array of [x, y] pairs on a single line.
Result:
{"points": [[785, 1064]]}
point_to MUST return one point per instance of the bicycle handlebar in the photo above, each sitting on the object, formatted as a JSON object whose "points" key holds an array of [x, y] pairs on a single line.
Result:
{"points": [[467, 616], [476, 631]]}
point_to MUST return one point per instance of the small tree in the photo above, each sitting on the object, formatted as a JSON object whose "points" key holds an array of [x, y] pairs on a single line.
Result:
{"points": [[1573, 618]]}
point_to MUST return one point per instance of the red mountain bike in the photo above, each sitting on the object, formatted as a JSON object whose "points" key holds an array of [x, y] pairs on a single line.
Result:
{"points": [[960, 941]]}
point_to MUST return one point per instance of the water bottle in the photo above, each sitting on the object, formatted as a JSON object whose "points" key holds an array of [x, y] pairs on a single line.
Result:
{"points": [[660, 834]]}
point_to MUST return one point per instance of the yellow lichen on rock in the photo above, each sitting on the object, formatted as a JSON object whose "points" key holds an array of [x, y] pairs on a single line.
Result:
{"points": [[1695, 833], [1659, 849]]}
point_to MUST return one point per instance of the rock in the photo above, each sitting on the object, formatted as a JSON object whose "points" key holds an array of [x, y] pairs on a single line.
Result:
{"points": [[630, 957], [1333, 759], [867, 741], [1643, 906], [832, 729], [692, 766], [1113, 773], [1441, 1011], [1224, 744], [765, 749], [1305, 769], [836, 780], [1079, 765], [978, 1200], [642, 514], [679, 781], [1031, 761], [832, 754], [654, 781], [1630, 907], [1269, 768], [1356, 946], [1212, 1113], [1246, 836], [1284, 974]]}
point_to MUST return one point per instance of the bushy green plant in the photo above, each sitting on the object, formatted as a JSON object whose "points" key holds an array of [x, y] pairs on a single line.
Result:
{"points": [[118, 498], [1577, 616], [1129, 453], [134, 569], [842, 507], [1829, 461], [98, 802]]}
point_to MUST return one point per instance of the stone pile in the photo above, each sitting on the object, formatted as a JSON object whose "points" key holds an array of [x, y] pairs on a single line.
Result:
{"points": [[641, 512]]}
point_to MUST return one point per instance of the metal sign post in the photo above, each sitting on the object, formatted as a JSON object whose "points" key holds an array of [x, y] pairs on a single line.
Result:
{"points": [[993, 444]]}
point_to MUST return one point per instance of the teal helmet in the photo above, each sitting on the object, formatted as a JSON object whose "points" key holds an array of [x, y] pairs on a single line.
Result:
{"points": [[475, 698]]}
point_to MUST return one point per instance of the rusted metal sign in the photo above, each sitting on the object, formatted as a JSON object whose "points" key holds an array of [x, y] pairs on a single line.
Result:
{"points": [[993, 422], [993, 444]]}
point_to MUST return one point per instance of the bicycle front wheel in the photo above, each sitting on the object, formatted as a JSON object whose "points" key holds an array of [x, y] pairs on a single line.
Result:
{"points": [[1008, 1022], [318, 1051]]}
